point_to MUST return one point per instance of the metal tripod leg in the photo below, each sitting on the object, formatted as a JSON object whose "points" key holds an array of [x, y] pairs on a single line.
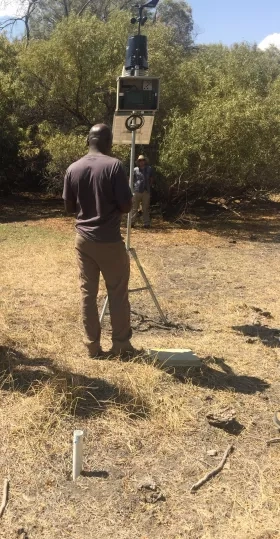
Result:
{"points": [[148, 284], [147, 287], [104, 310]]}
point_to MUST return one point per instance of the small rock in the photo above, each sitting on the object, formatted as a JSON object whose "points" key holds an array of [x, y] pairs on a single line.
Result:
{"points": [[151, 492], [226, 420], [155, 497], [252, 340], [257, 309], [222, 418], [148, 484], [22, 533], [212, 453], [267, 314], [264, 397]]}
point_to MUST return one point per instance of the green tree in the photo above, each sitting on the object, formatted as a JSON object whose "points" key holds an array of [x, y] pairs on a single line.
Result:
{"points": [[48, 13], [71, 77], [222, 70], [224, 146], [223, 136], [217, 130], [178, 15], [69, 80], [9, 108], [40, 17]]}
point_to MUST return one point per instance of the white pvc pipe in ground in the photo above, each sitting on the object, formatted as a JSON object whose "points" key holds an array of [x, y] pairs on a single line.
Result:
{"points": [[77, 453]]}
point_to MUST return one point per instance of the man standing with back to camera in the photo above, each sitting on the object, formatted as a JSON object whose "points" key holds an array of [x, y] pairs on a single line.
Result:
{"points": [[97, 190]]}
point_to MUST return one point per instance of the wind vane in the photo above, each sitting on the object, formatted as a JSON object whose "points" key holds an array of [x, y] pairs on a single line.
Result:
{"points": [[141, 20]]}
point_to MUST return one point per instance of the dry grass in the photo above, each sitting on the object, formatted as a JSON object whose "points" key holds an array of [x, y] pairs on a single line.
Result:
{"points": [[141, 421]]}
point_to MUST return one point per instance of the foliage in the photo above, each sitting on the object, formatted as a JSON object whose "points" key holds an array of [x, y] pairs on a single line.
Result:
{"points": [[69, 80], [73, 73], [228, 141], [9, 133], [48, 13], [217, 130], [40, 17], [224, 145], [58, 150], [178, 15]]}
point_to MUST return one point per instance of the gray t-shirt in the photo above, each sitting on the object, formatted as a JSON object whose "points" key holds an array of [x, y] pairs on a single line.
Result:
{"points": [[98, 185]]}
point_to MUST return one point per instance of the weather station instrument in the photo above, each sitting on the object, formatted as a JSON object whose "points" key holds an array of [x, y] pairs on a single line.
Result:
{"points": [[136, 105]]}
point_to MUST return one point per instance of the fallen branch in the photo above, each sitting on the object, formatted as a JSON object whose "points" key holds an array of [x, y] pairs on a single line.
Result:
{"points": [[232, 211], [4, 497], [214, 472], [273, 441]]}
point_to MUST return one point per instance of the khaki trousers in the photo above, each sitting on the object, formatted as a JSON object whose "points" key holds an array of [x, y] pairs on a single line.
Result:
{"points": [[144, 199], [112, 261]]}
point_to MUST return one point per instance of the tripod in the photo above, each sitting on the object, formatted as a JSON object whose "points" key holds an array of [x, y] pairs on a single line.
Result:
{"points": [[132, 126]]}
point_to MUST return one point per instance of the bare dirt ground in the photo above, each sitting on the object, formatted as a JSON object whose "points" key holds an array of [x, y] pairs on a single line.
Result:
{"points": [[219, 283]]}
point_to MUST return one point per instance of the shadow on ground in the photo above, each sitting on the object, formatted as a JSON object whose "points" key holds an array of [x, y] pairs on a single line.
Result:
{"points": [[82, 396], [255, 221], [101, 474], [269, 336], [224, 379], [20, 208], [248, 220], [245, 229]]}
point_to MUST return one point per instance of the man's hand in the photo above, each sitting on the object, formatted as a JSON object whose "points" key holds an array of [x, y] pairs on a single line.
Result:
{"points": [[70, 207]]}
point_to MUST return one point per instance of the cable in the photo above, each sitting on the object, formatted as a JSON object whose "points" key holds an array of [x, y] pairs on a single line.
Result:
{"points": [[134, 126]]}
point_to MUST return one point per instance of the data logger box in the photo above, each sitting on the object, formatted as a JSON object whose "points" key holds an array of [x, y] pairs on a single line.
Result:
{"points": [[138, 93]]}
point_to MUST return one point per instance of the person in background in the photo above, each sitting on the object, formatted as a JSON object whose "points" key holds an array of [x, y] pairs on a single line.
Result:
{"points": [[97, 190], [143, 181]]}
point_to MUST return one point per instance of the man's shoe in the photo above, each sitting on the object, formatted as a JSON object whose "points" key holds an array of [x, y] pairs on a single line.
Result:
{"points": [[126, 353], [98, 354]]}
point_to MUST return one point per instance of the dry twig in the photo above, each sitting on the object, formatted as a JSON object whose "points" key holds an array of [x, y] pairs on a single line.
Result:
{"points": [[214, 472], [4, 497], [273, 441]]}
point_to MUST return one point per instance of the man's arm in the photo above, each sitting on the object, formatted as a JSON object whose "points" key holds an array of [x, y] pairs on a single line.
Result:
{"points": [[122, 192], [68, 195], [70, 206], [126, 208]]}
